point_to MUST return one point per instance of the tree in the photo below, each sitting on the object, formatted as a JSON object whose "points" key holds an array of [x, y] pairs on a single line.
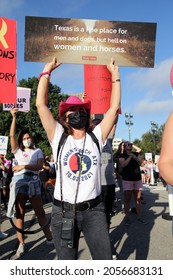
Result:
{"points": [[31, 119], [150, 143]]}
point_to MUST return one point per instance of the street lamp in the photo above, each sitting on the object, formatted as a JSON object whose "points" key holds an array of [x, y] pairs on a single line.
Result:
{"points": [[129, 122], [154, 128]]}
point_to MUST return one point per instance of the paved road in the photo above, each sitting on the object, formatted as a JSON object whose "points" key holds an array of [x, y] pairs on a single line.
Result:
{"points": [[135, 242]]}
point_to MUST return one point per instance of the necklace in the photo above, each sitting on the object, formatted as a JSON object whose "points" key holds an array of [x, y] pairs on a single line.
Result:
{"points": [[79, 172]]}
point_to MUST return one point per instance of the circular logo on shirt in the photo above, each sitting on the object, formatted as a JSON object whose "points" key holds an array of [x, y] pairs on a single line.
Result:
{"points": [[75, 162]]}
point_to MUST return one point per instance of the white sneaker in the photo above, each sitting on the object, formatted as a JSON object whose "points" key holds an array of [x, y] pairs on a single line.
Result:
{"points": [[21, 250], [3, 235], [114, 257]]}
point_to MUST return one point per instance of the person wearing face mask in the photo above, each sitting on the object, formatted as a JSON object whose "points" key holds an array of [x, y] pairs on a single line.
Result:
{"points": [[78, 205], [25, 184]]}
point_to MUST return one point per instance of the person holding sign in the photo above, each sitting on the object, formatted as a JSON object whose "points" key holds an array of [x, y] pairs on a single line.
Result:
{"points": [[25, 182], [77, 202]]}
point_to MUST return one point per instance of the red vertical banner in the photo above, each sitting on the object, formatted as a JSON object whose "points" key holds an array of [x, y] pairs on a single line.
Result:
{"points": [[171, 76], [8, 44], [97, 85]]}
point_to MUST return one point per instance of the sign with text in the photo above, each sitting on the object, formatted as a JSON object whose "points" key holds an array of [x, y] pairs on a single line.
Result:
{"points": [[97, 85], [86, 41], [3, 144], [7, 60], [148, 156], [23, 100]]}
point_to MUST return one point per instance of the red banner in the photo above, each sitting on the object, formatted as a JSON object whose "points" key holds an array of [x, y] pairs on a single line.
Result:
{"points": [[7, 61], [97, 85], [171, 76]]}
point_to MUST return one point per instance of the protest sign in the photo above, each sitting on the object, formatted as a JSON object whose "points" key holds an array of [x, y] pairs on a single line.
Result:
{"points": [[86, 41], [148, 156], [7, 60], [23, 100], [97, 85], [3, 144]]}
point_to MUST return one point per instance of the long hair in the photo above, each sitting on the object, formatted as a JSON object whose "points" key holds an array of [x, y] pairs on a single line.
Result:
{"points": [[20, 139]]}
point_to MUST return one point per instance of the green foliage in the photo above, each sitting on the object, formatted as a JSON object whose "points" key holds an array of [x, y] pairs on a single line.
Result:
{"points": [[31, 119], [150, 143]]}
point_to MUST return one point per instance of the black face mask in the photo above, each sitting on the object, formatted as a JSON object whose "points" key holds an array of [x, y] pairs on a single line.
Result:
{"points": [[77, 119]]}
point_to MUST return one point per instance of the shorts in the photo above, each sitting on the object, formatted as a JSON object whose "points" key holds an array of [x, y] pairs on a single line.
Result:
{"points": [[132, 185], [27, 190], [29, 185]]}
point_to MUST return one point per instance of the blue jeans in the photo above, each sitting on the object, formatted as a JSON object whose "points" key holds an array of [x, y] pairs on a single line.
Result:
{"points": [[93, 224]]}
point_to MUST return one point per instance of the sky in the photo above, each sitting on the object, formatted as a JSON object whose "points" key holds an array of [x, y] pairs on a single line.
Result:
{"points": [[146, 92]]}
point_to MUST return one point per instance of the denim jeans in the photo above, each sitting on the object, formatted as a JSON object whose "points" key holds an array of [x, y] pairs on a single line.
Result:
{"points": [[93, 224]]}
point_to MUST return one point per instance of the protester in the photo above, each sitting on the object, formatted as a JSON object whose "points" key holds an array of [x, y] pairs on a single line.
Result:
{"points": [[25, 182], [3, 178], [107, 173], [44, 172], [52, 172], [77, 197], [131, 175], [118, 172], [165, 163]]}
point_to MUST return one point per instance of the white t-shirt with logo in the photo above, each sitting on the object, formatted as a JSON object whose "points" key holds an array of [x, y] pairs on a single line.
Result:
{"points": [[90, 186]]}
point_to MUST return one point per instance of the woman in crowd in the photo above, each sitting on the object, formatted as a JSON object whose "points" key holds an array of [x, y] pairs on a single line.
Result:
{"points": [[77, 197], [131, 175], [25, 182]]}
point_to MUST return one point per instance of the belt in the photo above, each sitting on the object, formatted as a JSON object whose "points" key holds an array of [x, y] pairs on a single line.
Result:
{"points": [[30, 173], [82, 206]]}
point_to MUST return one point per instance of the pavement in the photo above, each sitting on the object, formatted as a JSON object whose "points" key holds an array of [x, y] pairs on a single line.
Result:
{"points": [[134, 242]]}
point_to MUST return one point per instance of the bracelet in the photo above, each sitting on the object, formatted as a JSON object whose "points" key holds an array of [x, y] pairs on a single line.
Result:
{"points": [[117, 80], [45, 74]]}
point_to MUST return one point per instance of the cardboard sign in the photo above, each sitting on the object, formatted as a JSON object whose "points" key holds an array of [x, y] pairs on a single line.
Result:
{"points": [[3, 144], [23, 100], [88, 41], [7, 60], [97, 85]]}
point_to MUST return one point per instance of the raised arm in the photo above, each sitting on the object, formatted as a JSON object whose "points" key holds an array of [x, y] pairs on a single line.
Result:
{"points": [[13, 139], [165, 163], [46, 117], [110, 118]]}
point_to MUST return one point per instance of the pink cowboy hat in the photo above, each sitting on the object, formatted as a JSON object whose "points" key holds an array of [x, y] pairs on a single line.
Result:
{"points": [[73, 101]]}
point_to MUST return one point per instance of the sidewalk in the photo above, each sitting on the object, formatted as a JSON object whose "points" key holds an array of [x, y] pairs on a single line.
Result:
{"points": [[135, 242]]}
